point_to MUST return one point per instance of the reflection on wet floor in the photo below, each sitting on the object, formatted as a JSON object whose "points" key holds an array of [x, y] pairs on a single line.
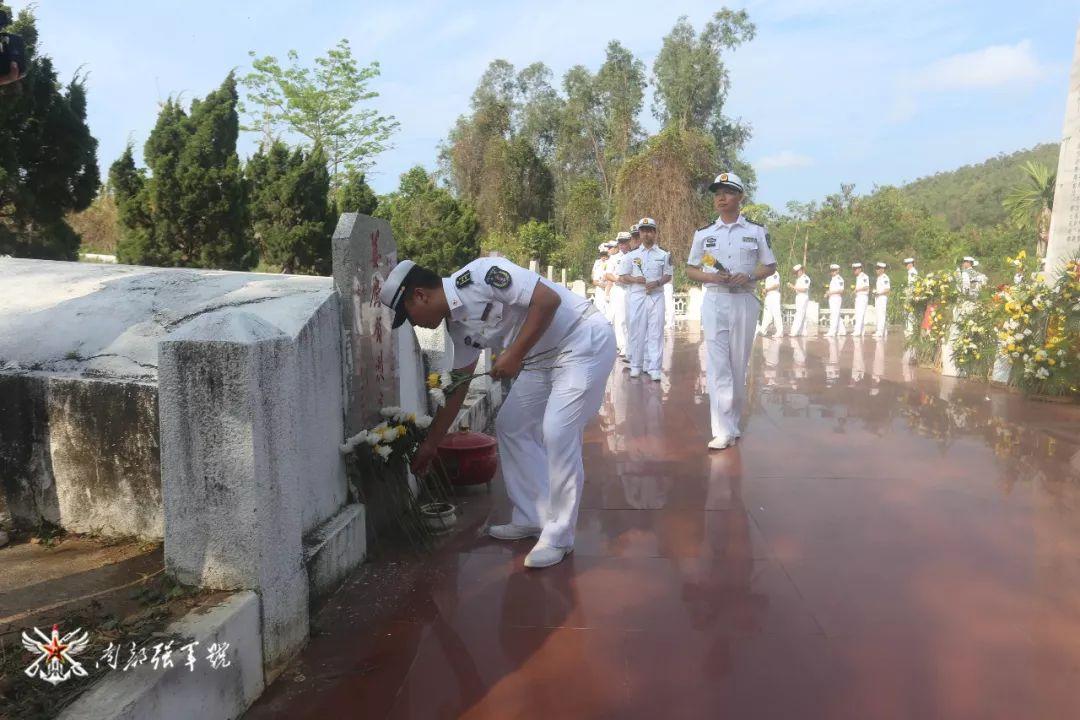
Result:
{"points": [[882, 544]]}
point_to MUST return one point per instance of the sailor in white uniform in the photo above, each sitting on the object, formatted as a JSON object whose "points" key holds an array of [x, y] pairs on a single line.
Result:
{"points": [[912, 274], [801, 286], [645, 271], [772, 314], [862, 297], [616, 310], [493, 303], [835, 293], [882, 290], [599, 283], [728, 256]]}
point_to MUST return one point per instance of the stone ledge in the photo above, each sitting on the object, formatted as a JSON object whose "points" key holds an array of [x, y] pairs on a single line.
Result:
{"points": [[179, 693], [335, 549]]}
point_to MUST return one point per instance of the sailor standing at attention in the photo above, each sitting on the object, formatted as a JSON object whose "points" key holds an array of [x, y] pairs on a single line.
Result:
{"points": [[645, 271], [882, 290], [801, 286], [862, 297], [912, 275], [728, 257], [835, 294], [616, 314], [493, 303], [772, 314], [598, 281]]}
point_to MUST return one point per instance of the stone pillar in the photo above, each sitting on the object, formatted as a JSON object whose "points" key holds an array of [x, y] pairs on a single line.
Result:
{"points": [[364, 254], [230, 469], [1065, 222], [578, 287], [551, 273], [562, 274], [812, 325], [534, 265]]}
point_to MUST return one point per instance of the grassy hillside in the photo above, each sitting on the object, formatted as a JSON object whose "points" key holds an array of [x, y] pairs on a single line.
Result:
{"points": [[972, 194]]}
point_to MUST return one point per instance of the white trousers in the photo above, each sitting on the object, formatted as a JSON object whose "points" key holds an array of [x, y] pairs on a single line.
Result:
{"points": [[798, 325], [539, 429], [772, 314], [616, 315], [645, 326], [669, 305], [862, 300], [881, 305], [727, 321], [835, 301], [600, 300]]}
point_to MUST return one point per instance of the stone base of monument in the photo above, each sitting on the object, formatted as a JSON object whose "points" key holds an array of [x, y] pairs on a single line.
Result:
{"points": [[178, 692], [333, 550]]}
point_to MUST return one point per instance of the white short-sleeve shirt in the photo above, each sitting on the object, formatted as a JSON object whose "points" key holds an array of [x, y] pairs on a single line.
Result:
{"points": [[772, 283], [740, 247], [802, 283], [650, 263], [836, 283], [882, 284], [489, 299], [862, 283], [598, 270], [912, 273]]}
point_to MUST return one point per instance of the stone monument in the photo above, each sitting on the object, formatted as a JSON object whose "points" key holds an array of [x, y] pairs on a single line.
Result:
{"points": [[1064, 241]]}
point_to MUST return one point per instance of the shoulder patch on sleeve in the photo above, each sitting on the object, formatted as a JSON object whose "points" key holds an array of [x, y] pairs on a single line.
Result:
{"points": [[463, 280], [704, 227], [497, 278], [754, 222]]}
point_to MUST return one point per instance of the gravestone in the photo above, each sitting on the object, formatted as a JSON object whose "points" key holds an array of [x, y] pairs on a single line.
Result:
{"points": [[364, 254], [1064, 241]]}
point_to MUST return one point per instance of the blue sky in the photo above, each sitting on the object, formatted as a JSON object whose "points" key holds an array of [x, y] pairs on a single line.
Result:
{"points": [[859, 91]]}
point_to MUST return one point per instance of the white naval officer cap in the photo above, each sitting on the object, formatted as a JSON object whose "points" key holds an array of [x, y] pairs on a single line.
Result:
{"points": [[909, 261], [646, 222], [602, 247], [797, 268], [622, 237], [968, 258], [635, 230], [834, 266], [392, 293], [728, 180], [882, 265], [856, 265]]}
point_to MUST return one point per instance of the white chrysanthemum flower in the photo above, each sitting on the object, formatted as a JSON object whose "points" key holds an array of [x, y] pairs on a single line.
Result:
{"points": [[437, 397], [1042, 373], [383, 451], [373, 438], [423, 421], [390, 412]]}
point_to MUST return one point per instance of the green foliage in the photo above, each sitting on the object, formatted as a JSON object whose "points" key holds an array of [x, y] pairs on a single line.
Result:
{"points": [[972, 194], [48, 159], [192, 210], [430, 226], [541, 243], [355, 195], [321, 104], [290, 219]]}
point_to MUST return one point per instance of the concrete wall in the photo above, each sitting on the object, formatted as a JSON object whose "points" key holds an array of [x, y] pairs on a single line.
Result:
{"points": [[82, 454]]}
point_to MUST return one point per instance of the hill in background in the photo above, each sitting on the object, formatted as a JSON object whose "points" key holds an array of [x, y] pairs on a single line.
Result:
{"points": [[972, 194]]}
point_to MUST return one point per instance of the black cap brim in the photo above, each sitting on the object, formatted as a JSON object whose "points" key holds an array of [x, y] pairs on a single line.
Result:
{"points": [[717, 185], [400, 316]]}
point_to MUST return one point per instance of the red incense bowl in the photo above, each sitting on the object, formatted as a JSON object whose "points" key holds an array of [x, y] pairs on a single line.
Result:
{"points": [[469, 457]]}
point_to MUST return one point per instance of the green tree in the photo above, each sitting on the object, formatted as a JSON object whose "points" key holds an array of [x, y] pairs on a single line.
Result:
{"points": [[430, 226], [540, 242], [290, 217], [1031, 203], [48, 158], [322, 104], [355, 195], [192, 210]]}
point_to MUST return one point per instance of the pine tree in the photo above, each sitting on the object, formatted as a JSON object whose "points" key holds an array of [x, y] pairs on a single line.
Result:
{"points": [[290, 216], [355, 195], [48, 158]]}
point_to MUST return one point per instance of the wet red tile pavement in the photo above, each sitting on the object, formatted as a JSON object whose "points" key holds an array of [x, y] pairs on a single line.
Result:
{"points": [[883, 543]]}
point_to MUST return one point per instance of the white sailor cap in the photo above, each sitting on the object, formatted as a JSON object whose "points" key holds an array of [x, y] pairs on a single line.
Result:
{"points": [[797, 268], [634, 229], [856, 265], [602, 247], [968, 258], [728, 180], [610, 244], [834, 266], [392, 293], [882, 265], [622, 237], [646, 222], [909, 261]]}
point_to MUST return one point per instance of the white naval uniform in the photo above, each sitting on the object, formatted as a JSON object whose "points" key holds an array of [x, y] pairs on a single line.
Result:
{"points": [[599, 285], [909, 323], [772, 314], [862, 300], [881, 304], [802, 298], [540, 424], [669, 303], [729, 315], [616, 309], [645, 310], [836, 284]]}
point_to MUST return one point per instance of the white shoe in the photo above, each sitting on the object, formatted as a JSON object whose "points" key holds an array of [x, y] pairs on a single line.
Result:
{"points": [[655, 376], [511, 531], [720, 443], [635, 373], [544, 555]]}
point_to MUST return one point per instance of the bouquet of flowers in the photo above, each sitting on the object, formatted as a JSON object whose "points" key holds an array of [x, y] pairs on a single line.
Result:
{"points": [[931, 297], [441, 385]]}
